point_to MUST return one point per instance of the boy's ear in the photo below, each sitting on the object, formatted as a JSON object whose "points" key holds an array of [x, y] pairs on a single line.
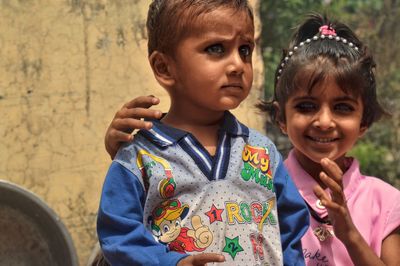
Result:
{"points": [[279, 118], [161, 65]]}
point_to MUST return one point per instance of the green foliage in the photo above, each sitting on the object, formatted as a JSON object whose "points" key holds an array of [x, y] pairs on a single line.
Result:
{"points": [[374, 160]]}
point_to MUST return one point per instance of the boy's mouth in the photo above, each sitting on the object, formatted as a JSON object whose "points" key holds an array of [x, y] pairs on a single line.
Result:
{"points": [[233, 85]]}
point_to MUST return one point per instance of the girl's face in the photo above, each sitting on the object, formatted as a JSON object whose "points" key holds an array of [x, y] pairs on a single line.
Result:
{"points": [[323, 123]]}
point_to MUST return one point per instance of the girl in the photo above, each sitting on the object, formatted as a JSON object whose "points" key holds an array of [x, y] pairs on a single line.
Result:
{"points": [[325, 100]]}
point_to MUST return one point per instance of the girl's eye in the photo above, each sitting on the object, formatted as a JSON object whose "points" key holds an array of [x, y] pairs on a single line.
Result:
{"points": [[306, 107], [245, 50], [215, 49], [344, 107], [166, 228], [177, 223]]}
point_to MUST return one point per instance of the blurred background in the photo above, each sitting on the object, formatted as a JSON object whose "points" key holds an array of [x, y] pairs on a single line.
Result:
{"points": [[66, 67]]}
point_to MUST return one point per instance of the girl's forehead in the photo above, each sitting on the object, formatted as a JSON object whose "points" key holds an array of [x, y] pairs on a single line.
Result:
{"points": [[327, 85]]}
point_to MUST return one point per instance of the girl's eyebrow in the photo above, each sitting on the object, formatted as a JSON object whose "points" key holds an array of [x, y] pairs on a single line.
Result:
{"points": [[306, 97], [337, 99], [346, 98]]}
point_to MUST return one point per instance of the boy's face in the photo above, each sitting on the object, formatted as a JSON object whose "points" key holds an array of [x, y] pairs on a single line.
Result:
{"points": [[213, 65], [324, 123]]}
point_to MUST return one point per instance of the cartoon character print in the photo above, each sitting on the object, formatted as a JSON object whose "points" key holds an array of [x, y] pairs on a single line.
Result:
{"points": [[166, 218], [166, 225]]}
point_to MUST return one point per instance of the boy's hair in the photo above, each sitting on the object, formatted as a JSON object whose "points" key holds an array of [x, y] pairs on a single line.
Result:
{"points": [[312, 58], [169, 21]]}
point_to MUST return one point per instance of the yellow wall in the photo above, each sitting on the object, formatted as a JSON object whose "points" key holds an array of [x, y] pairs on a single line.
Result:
{"points": [[65, 68]]}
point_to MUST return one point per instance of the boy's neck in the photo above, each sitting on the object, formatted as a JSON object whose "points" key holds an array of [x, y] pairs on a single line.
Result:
{"points": [[204, 128]]}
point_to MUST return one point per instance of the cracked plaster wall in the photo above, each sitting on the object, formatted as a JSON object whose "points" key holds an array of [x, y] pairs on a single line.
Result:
{"points": [[65, 68]]}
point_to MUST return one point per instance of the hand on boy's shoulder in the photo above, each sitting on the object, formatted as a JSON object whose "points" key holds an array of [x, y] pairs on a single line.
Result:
{"points": [[129, 118], [201, 259]]}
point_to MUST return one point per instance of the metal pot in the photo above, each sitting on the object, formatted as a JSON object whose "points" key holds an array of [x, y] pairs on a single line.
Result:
{"points": [[31, 233]]}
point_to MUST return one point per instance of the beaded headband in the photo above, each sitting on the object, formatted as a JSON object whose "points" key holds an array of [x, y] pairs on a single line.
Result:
{"points": [[325, 32]]}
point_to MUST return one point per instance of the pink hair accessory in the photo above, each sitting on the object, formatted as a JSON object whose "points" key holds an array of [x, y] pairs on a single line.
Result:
{"points": [[327, 30]]}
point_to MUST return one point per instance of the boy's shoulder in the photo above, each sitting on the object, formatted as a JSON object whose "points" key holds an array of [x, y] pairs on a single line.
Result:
{"points": [[260, 139], [127, 154]]}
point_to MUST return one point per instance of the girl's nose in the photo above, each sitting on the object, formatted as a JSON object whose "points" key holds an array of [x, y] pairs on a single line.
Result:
{"points": [[324, 119]]}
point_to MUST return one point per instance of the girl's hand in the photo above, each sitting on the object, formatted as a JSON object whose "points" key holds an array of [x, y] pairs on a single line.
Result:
{"points": [[343, 226], [128, 119], [201, 259], [336, 204]]}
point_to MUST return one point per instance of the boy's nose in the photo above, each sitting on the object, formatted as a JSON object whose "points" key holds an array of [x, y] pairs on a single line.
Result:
{"points": [[236, 64], [324, 119]]}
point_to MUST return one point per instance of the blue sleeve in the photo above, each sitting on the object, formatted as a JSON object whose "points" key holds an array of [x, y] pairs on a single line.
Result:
{"points": [[293, 217], [123, 237]]}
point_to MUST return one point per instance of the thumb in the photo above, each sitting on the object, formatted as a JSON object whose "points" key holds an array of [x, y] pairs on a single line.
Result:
{"points": [[196, 222]]}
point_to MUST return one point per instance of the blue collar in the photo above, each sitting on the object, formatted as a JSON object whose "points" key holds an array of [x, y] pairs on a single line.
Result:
{"points": [[213, 167], [163, 135]]}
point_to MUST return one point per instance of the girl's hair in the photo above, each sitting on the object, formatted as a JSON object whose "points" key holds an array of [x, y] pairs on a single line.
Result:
{"points": [[321, 49], [169, 21]]}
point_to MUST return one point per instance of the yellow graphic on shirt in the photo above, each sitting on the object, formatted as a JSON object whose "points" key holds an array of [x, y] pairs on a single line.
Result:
{"points": [[256, 166], [254, 212], [167, 186]]}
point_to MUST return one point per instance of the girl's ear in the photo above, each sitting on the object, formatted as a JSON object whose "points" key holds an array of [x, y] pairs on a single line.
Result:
{"points": [[279, 118], [363, 130], [161, 64]]}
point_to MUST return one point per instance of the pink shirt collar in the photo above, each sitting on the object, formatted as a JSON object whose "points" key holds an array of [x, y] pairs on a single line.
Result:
{"points": [[305, 183]]}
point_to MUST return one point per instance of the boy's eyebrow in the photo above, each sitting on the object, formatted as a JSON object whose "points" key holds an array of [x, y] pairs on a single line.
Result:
{"points": [[248, 39]]}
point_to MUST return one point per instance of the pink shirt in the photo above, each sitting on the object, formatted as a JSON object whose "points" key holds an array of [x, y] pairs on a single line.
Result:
{"points": [[374, 206]]}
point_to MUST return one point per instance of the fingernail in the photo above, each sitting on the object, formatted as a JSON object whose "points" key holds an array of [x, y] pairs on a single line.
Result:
{"points": [[148, 125]]}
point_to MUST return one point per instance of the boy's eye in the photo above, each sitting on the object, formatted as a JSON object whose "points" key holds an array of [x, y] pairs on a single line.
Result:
{"points": [[344, 107], [306, 106], [215, 49], [245, 50]]}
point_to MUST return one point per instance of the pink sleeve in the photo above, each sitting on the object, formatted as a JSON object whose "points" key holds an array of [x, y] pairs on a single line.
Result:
{"points": [[393, 218]]}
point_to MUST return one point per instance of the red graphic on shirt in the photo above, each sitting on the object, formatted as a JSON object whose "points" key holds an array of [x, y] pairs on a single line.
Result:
{"points": [[214, 214]]}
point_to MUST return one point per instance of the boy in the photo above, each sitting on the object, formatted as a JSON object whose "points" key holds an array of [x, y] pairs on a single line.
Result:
{"points": [[200, 181]]}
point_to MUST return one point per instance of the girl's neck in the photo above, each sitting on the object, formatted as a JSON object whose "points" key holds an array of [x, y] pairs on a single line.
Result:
{"points": [[314, 169]]}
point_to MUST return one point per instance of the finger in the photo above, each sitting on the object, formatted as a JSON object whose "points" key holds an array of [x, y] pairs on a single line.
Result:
{"points": [[196, 222], [333, 170], [142, 101], [336, 190], [129, 124], [321, 194], [202, 259], [139, 113], [120, 136], [325, 199]]}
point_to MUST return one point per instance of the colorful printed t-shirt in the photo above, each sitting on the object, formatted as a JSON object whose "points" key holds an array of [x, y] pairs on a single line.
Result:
{"points": [[165, 197], [373, 204]]}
